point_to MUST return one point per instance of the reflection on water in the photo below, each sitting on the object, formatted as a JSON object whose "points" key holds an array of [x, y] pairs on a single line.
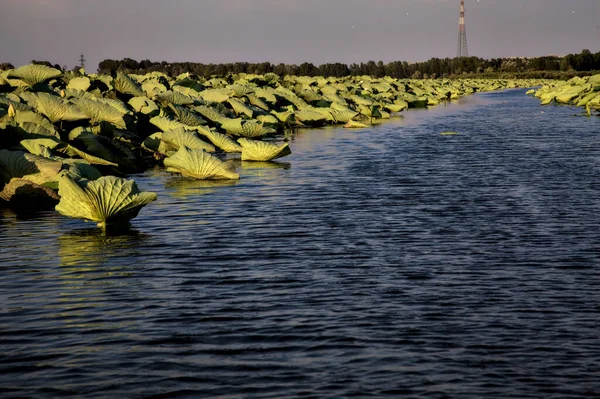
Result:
{"points": [[90, 247], [182, 187], [386, 262], [247, 165]]}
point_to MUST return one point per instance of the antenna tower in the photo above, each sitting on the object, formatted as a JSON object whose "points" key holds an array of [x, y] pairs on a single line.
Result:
{"points": [[461, 49], [82, 61]]}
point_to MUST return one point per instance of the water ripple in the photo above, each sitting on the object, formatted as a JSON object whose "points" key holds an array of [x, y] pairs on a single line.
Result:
{"points": [[388, 262]]}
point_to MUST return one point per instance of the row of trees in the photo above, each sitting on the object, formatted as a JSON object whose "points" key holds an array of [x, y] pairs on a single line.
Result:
{"points": [[435, 67], [546, 67]]}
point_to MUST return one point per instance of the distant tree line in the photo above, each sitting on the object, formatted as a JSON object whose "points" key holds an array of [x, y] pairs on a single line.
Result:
{"points": [[547, 66], [554, 67]]}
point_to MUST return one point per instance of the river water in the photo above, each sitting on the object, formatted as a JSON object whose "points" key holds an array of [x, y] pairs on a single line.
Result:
{"points": [[385, 262]]}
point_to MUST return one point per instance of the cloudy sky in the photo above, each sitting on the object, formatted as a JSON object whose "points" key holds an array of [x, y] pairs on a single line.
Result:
{"points": [[290, 31]]}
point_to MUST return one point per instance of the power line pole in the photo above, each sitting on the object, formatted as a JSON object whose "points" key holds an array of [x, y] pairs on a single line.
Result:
{"points": [[461, 49], [82, 61]]}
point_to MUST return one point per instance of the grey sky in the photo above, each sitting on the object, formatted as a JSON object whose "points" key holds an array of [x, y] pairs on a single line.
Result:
{"points": [[290, 31]]}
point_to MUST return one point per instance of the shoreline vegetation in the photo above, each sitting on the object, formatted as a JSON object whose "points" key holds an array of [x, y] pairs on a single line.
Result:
{"points": [[68, 140], [557, 67]]}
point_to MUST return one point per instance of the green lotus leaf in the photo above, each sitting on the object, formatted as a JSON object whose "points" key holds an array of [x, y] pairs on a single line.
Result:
{"points": [[249, 129], [152, 142], [166, 124], [355, 125], [309, 116], [108, 200], [254, 150], [361, 100], [177, 138], [14, 100], [99, 111], [34, 123], [240, 108], [220, 140], [343, 116], [211, 114], [174, 97], [82, 83], [396, 106], [33, 74], [107, 150], [190, 92], [568, 94], [291, 97], [266, 93], [73, 151], [186, 116], [268, 119], [19, 164], [239, 90], [32, 130], [144, 105], [55, 108], [335, 99], [40, 147], [82, 170], [124, 84], [309, 95], [200, 165], [188, 83], [216, 95], [153, 88], [285, 116], [257, 102]]}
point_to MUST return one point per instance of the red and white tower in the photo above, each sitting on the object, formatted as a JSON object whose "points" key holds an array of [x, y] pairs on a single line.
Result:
{"points": [[461, 49]]}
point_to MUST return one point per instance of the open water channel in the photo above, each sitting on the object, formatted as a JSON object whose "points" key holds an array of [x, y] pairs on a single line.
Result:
{"points": [[385, 262]]}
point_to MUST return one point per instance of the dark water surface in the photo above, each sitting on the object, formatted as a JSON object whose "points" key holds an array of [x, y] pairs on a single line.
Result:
{"points": [[388, 262]]}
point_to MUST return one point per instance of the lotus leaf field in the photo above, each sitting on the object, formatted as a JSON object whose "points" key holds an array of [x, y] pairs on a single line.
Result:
{"points": [[72, 138]]}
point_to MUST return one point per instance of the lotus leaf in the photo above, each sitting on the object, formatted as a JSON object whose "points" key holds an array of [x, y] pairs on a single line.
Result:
{"points": [[152, 142], [250, 129], [33, 74], [343, 116], [99, 111], [82, 83], [311, 117], [257, 102], [355, 125], [238, 90], [199, 164], [124, 84], [80, 170], [285, 116], [240, 108], [34, 124], [19, 164], [109, 200], [40, 147], [186, 116], [216, 95], [361, 100], [220, 140], [176, 138], [55, 108], [268, 119], [144, 105], [211, 114], [152, 88], [266, 93], [254, 150], [174, 97]]}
